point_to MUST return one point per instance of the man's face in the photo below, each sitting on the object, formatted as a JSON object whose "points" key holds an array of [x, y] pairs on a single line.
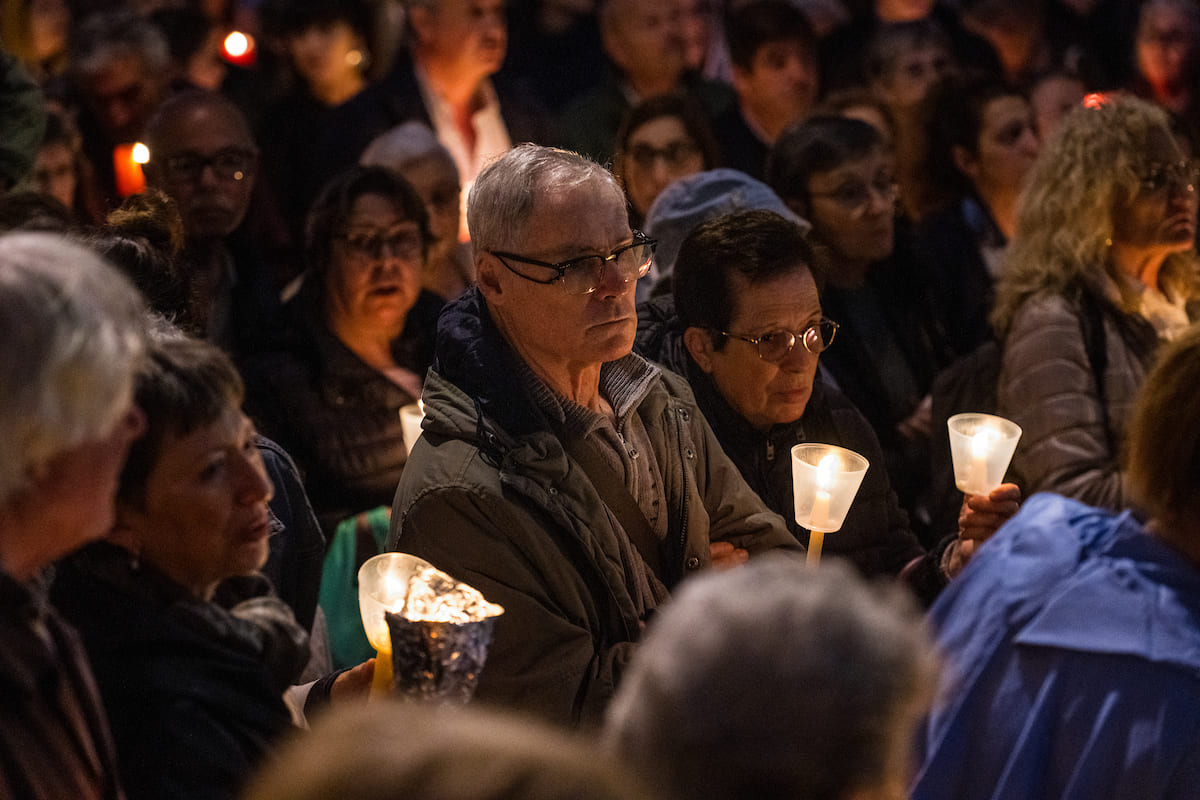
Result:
{"points": [[781, 84], [205, 160], [762, 392], [122, 93], [554, 332], [464, 37], [646, 40]]}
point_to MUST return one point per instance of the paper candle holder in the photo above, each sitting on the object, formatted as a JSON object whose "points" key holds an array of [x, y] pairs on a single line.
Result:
{"points": [[825, 479], [411, 417], [981, 446]]}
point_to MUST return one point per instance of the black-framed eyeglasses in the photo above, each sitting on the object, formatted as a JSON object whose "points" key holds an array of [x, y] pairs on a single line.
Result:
{"points": [[1160, 178], [855, 197], [401, 242], [584, 274], [674, 154], [773, 346], [231, 164]]}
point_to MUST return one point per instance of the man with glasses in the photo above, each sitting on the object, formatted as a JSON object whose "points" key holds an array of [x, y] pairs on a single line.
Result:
{"points": [[746, 327], [569, 480], [203, 156]]}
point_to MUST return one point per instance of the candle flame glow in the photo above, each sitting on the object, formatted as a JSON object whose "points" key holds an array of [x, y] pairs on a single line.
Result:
{"points": [[237, 44], [826, 468], [140, 153], [981, 442]]}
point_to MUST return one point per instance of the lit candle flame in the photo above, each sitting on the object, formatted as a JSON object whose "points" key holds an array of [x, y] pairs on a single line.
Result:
{"points": [[826, 467], [421, 406], [140, 153], [237, 44], [981, 442]]}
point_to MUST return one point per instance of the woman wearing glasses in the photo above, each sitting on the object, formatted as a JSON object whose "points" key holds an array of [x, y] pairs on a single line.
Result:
{"points": [[836, 173], [746, 329], [361, 339], [1099, 273], [661, 140]]}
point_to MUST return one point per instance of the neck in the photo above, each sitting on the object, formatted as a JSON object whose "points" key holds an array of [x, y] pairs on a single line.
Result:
{"points": [[651, 86], [17, 560], [1138, 263], [459, 90], [766, 126], [1182, 536], [849, 274], [578, 382], [1002, 205], [334, 93], [368, 342]]}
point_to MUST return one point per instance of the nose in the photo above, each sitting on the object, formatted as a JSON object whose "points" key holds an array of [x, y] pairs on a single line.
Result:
{"points": [[253, 484], [611, 282], [797, 359]]}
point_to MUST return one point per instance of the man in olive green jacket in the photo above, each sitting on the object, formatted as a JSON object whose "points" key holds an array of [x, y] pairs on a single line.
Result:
{"points": [[538, 418]]}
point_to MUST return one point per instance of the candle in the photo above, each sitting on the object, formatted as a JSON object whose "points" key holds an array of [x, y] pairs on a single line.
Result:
{"points": [[981, 448], [826, 468], [239, 49], [390, 595], [127, 167], [411, 417]]}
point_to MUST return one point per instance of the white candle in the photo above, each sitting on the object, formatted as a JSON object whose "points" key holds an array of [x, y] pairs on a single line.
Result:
{"points": [[981, 447], [825, 470], [411, 417]]}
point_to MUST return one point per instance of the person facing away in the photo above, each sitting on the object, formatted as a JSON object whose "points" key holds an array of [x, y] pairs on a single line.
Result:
{"points": [[71, 336], [569, 480], [1072, 641]]}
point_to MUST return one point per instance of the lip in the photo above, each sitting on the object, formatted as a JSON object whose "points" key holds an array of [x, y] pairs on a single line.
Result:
{"points": [[258, 529]]}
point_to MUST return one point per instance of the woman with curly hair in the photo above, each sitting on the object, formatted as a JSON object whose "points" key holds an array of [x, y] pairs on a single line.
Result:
{"points": [[1100, 271]]}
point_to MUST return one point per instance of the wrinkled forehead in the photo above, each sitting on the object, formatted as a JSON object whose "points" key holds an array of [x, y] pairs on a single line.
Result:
{"points": [[202, 129]]}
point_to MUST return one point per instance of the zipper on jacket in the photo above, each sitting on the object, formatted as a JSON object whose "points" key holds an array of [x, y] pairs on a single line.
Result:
{"points": [[770, 450]]}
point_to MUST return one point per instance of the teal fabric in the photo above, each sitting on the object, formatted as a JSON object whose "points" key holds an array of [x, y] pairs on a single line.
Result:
{"points": [[348, 643]]}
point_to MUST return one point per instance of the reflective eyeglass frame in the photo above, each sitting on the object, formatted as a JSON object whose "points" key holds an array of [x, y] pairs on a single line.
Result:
{"points": [[816, 338], [405, 243], [228, 163], [1181, 176], [856, 198], [565, 271]]}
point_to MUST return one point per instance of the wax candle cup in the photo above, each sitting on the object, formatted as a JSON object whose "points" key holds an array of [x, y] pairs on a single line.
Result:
{"points": [[825, 479], [981, 446]]}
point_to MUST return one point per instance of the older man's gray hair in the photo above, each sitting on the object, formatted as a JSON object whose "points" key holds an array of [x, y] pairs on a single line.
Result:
{"points": [[772, 681], [504, 194], [72, 332]]}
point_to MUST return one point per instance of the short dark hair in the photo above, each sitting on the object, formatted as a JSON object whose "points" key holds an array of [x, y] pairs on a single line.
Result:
{"points": [[290, 17], [748, 27], [328, 215], [183, 384], [958, 107], [683, 108], [818, 144], [757, 246]]}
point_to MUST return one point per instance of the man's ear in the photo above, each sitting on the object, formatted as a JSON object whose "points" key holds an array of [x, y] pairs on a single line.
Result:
{"points": [[419, 18], [486, 277], [699, 343]]}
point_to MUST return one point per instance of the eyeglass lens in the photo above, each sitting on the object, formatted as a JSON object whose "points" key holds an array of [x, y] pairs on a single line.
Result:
{"points": [[816, 338], [674, 154], [230, 165], [1180, 175], [583, 275], [404, 243]]}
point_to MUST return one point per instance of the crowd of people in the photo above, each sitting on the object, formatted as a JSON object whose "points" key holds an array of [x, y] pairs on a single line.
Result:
{"points": [[623, 256]]}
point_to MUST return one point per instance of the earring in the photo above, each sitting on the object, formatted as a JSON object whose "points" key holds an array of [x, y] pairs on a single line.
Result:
{"points": [[355, 58], [1108, 242]]}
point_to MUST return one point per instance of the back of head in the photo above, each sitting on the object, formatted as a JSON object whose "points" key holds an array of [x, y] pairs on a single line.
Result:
{"points": [[772, 681], [393, 751], [71, 335], [689, 201], [818, 144], [749, 26], [503, 196], [404, 145], [108, 34], [722, 254], [1163, 460], [143, 238], [1065, 213]]}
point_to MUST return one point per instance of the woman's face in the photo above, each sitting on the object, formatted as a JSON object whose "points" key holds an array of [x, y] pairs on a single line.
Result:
{"points": [[656, 154], [913, 73], [204, 517], [1161, 217], [324, 53], [1166, 46], [54, 173], [375, 272], [852, 208], [1006, 147], [1054, 98]]}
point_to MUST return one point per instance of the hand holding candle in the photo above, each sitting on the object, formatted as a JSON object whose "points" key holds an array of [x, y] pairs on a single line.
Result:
{"points": [[825, 479], [981, 446]]}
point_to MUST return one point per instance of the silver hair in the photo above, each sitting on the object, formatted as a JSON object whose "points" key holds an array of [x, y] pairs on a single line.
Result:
{"points": [[72, 333], [774, 681], [503, 196], [403, 146], [105, 33]]}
